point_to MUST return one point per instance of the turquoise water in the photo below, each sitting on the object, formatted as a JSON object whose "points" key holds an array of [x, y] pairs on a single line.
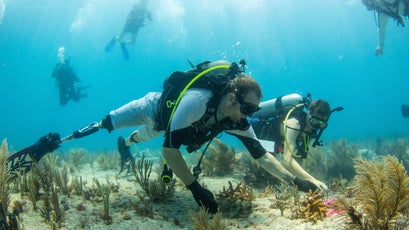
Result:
{"points": [[325, 47]]}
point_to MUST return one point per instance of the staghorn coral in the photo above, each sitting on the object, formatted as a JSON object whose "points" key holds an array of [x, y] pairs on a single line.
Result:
{"points": [[283, 195], [240, 193], [220, 160], [313, 207], [204, 221], [238, 200]]}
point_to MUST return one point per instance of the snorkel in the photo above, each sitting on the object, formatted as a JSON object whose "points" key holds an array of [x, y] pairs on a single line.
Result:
{"points": [[317, 140]]}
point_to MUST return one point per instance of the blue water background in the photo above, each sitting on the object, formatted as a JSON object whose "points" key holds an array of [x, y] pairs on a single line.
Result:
{"points": [[325, 47]]}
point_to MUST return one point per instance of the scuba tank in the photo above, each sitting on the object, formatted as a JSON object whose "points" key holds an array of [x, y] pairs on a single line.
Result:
{"points": [[271, 107]]}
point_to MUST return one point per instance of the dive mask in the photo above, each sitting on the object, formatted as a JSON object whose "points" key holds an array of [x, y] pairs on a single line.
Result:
{"points": [[247, 108]]}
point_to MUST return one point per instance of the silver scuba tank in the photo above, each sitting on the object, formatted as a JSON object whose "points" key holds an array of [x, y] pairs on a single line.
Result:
{"points": [[271, 107]]}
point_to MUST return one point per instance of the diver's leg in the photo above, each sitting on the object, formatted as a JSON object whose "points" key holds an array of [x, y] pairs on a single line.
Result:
{"points": [[64, 98], [132, 39], [75, 94], [125, 52]]}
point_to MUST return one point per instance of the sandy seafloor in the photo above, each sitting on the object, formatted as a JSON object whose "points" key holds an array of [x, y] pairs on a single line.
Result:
{"points": [[173, 214]]}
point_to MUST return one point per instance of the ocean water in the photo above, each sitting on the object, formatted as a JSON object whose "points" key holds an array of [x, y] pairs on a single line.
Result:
{"points": [[322, 47]]}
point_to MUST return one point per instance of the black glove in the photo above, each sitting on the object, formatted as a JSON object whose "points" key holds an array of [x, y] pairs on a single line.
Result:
{"points": [[45, 145], [305, 185], [203, 197]]}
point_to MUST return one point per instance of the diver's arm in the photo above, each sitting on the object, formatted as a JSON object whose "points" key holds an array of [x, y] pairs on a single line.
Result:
{"points": [[176, 162], [289, 147], [383, 21], [263, 158]]}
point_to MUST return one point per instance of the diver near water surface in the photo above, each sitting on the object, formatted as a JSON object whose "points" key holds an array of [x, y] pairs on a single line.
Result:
{"points": [[136, 19]]}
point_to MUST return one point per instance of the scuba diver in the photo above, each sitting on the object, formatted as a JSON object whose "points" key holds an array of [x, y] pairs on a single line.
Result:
{"points": [[384, 10], [283, 126], [66, 80], [136, 19], [195, 106]]}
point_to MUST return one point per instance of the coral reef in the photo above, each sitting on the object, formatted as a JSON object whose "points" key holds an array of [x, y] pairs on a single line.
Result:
{"points": [[340, 161], [312, 207], [253, 174], [285, 197], [398, 147], [220, 159], [315, 163], [237, 200]]}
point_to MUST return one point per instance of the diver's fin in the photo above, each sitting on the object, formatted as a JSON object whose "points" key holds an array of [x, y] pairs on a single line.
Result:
{"points": [[405, 110], [110, 46], [125, 52], [23, 160]]}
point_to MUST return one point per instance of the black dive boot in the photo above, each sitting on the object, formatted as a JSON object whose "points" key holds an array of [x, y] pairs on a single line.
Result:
{"points": [[127, 160]]}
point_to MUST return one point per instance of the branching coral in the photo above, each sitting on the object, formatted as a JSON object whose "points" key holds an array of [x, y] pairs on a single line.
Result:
{"points": [[283, 197], [313, 207], [240, 193], [237, 200]]}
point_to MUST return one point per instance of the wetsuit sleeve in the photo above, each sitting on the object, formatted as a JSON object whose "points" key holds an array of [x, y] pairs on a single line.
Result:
{"points": [[253, 146]]}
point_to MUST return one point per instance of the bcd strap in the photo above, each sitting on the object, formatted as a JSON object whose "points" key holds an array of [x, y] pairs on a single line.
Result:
{"points": [[176, 86]]}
